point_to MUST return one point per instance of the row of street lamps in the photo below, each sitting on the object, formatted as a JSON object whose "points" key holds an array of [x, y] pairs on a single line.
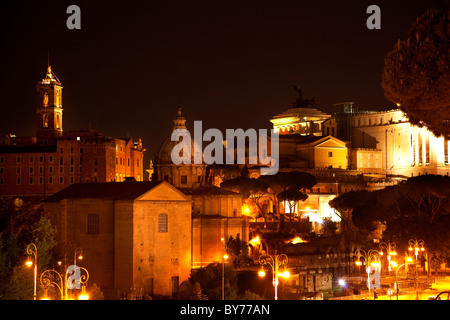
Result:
{"points": [[371, 258], [372, 261], [72, 278]]}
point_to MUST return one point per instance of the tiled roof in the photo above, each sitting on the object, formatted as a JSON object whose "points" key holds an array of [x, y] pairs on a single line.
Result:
{"points": [[105, 190]]}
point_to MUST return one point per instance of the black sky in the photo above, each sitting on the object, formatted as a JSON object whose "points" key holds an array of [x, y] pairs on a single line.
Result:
{"points": [[230, 64]]}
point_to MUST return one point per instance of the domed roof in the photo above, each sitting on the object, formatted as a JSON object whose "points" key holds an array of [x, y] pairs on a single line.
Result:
{"points": [[164, 155]]}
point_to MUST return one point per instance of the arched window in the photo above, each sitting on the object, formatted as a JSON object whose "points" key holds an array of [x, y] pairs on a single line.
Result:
{"points": [[45, 121], [163, 222]]}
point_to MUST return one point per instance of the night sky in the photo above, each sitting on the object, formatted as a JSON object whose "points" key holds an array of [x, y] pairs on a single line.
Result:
{"points": [[230, 64]]}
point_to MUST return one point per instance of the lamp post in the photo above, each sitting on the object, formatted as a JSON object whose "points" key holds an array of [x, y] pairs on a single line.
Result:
{"points": [[224, 259], [80, 255], [46, 281], [390, 251], [275, 262], [368, 257], [416, 246], [32, 249], [409, 260]]}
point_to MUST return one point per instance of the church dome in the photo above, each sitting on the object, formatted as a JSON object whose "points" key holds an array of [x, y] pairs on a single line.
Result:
{"points": [[164, 155]]}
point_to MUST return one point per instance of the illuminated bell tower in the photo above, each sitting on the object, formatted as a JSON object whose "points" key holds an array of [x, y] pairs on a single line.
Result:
{"points": [[49, 109]]}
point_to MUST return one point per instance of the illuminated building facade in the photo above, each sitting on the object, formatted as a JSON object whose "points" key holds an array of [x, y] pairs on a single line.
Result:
{"points": [[53, 160], [136, 236], [370, 147], [385, 142], [217, 216], [302, 121], [406, 149]]}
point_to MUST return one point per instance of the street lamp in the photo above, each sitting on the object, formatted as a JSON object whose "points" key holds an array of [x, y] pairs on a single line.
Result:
{"points": [[32, 249], [274, 261], [408, 261], [46, 281], [369, 256], [416, 245], [78, 251], [224, 259], [390, 251]]}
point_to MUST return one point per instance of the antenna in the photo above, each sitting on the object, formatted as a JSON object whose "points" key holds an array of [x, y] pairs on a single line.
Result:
{"points": [[48, 58]]}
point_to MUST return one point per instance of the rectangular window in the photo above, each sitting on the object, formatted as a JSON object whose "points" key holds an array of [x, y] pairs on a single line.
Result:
{"points": [[18, 170], [31, 159], [18, 181], [18, 159], [61, 180], [92, 224], [31, 170], [50, 158], [50, 180], [162, 223], [31, 180], [330, 154], [183, 179]]}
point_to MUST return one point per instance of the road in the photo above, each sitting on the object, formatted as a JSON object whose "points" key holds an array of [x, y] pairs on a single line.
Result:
{"points": [[438, 286]]}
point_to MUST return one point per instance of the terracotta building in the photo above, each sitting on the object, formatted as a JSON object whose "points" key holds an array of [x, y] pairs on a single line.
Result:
{"points": [[135, 236], [217, 216], [55, 159]]}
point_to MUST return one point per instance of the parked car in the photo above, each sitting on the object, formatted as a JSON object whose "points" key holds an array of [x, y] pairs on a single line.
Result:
{"points": [[444, 295]]}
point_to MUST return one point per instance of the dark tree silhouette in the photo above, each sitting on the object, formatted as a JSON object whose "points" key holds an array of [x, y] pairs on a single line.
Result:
{"points": [[416, 73]]}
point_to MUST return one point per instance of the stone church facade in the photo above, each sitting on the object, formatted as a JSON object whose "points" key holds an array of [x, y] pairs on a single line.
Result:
{"points": [[135, 236]]}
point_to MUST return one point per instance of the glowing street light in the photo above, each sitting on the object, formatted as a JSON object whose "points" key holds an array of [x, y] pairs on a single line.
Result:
{"points": [[408, 261], [83, 295], [390, 250], [371, 258], [417, 246], [224, 259], [275, 262], [32, 249], [46, 280]]}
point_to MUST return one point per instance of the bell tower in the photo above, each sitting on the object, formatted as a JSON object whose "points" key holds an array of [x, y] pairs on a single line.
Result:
{"points": [[49, 109]]}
